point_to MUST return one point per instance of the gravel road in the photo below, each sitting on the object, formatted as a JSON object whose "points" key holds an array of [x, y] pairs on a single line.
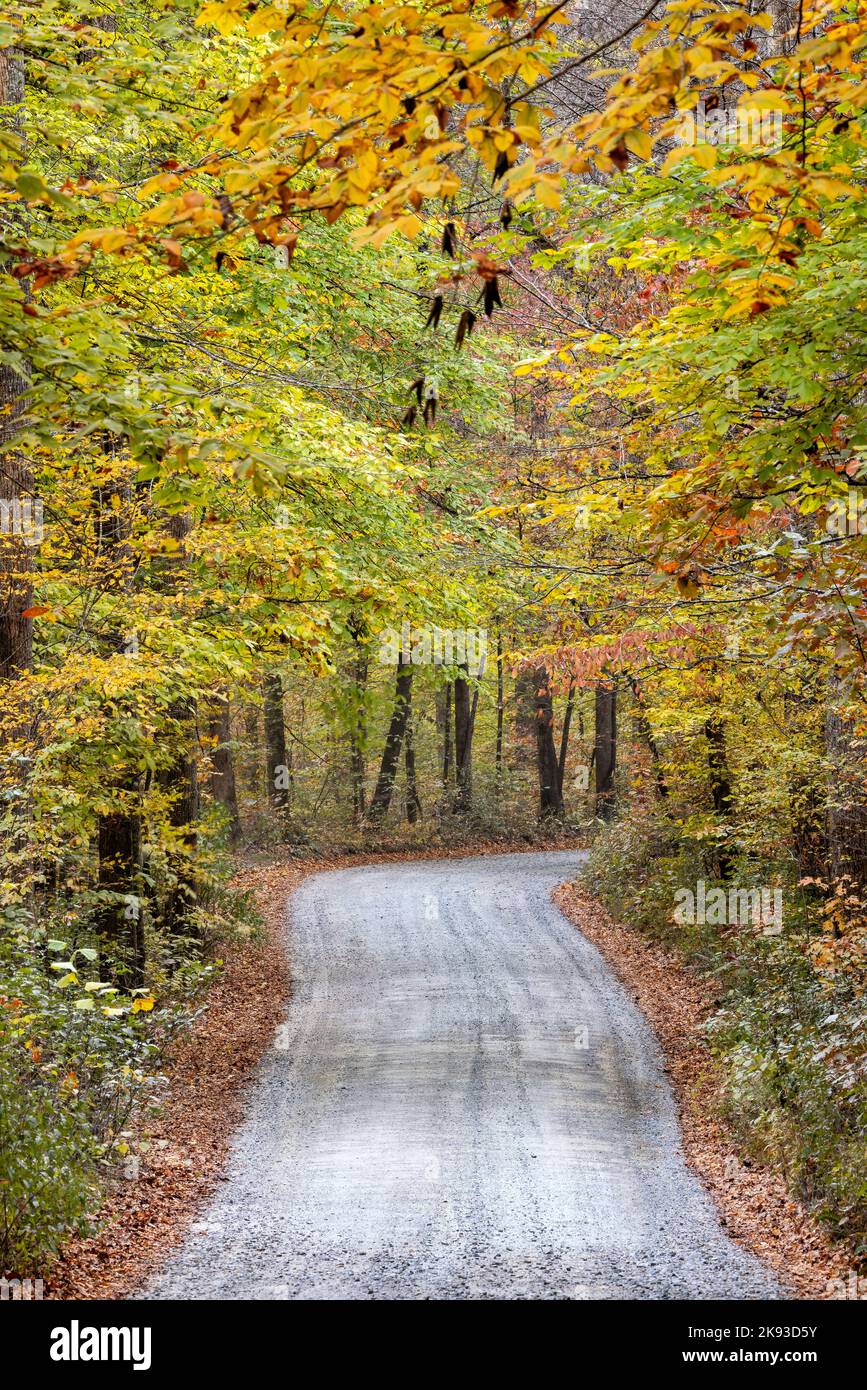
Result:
{"points": [[463, 1103]]}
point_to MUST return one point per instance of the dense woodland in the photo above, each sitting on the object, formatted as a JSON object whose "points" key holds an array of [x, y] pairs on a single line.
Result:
{"points": [[423, 424]]}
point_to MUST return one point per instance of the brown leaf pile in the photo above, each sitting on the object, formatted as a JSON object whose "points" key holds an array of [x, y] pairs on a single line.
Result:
{"points": [[754, 1205]]}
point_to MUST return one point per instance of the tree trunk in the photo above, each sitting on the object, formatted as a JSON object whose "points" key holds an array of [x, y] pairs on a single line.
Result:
{"points": [[550, 798], [464, 719], [276, 761], [413, 804], [605, 750], [119, 921], [393, 742], [525, 708], [181, 782], [119, 832], [720, 790], [498, 752], [645, 732], [181, 778], [447, 735], [564, 734], [254, 760], [223, 788], [358, 732]]}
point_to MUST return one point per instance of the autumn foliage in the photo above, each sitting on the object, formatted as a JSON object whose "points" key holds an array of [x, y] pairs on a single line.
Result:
{"points": [[324, 321]]}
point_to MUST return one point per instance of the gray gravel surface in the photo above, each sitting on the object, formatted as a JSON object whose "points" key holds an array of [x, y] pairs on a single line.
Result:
{"points": [[462, 1103]]}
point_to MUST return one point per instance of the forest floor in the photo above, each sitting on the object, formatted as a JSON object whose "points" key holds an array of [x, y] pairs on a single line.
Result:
{"points": [[212, 1091]]}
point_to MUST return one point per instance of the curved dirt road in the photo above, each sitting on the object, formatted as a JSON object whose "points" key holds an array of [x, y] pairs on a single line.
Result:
{"points": [[463, 1103]]}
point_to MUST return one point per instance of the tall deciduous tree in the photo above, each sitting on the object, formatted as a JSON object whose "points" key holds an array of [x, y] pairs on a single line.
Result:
{"points": [[605, 749], [550, 793], [465, 704], [223, 783], [381, 799], [276, 758]]}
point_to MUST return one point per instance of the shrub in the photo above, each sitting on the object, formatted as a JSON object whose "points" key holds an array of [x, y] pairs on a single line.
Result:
{"points": [[47, 1155], [75, 1059], [789, 1033]]}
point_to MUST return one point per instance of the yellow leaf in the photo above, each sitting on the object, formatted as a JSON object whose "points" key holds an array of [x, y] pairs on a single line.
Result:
{"points": [[834, 188], [764, 101], [704, 155], [639, 143], [265, 20], [409, 225], [675, 156], [548, 195]]}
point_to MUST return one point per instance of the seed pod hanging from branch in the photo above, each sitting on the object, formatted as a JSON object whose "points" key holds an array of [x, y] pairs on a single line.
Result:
{"points": [[433, 317], [491, 296], [465, 326]]}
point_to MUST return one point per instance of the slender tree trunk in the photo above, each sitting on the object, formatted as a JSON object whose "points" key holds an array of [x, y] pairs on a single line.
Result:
{"points": [[498, 752], [807, 796], [526, 755], [447, 736], [720, 789], [393, 742], [254, 759], [525, 708], [564, 733], [464, 718], [181, 781], [181, 778], [276, 760], [119, 921], [223, 788], [645, 731], [413, 804], [358, 734], [605, 750], [550, 798]]}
